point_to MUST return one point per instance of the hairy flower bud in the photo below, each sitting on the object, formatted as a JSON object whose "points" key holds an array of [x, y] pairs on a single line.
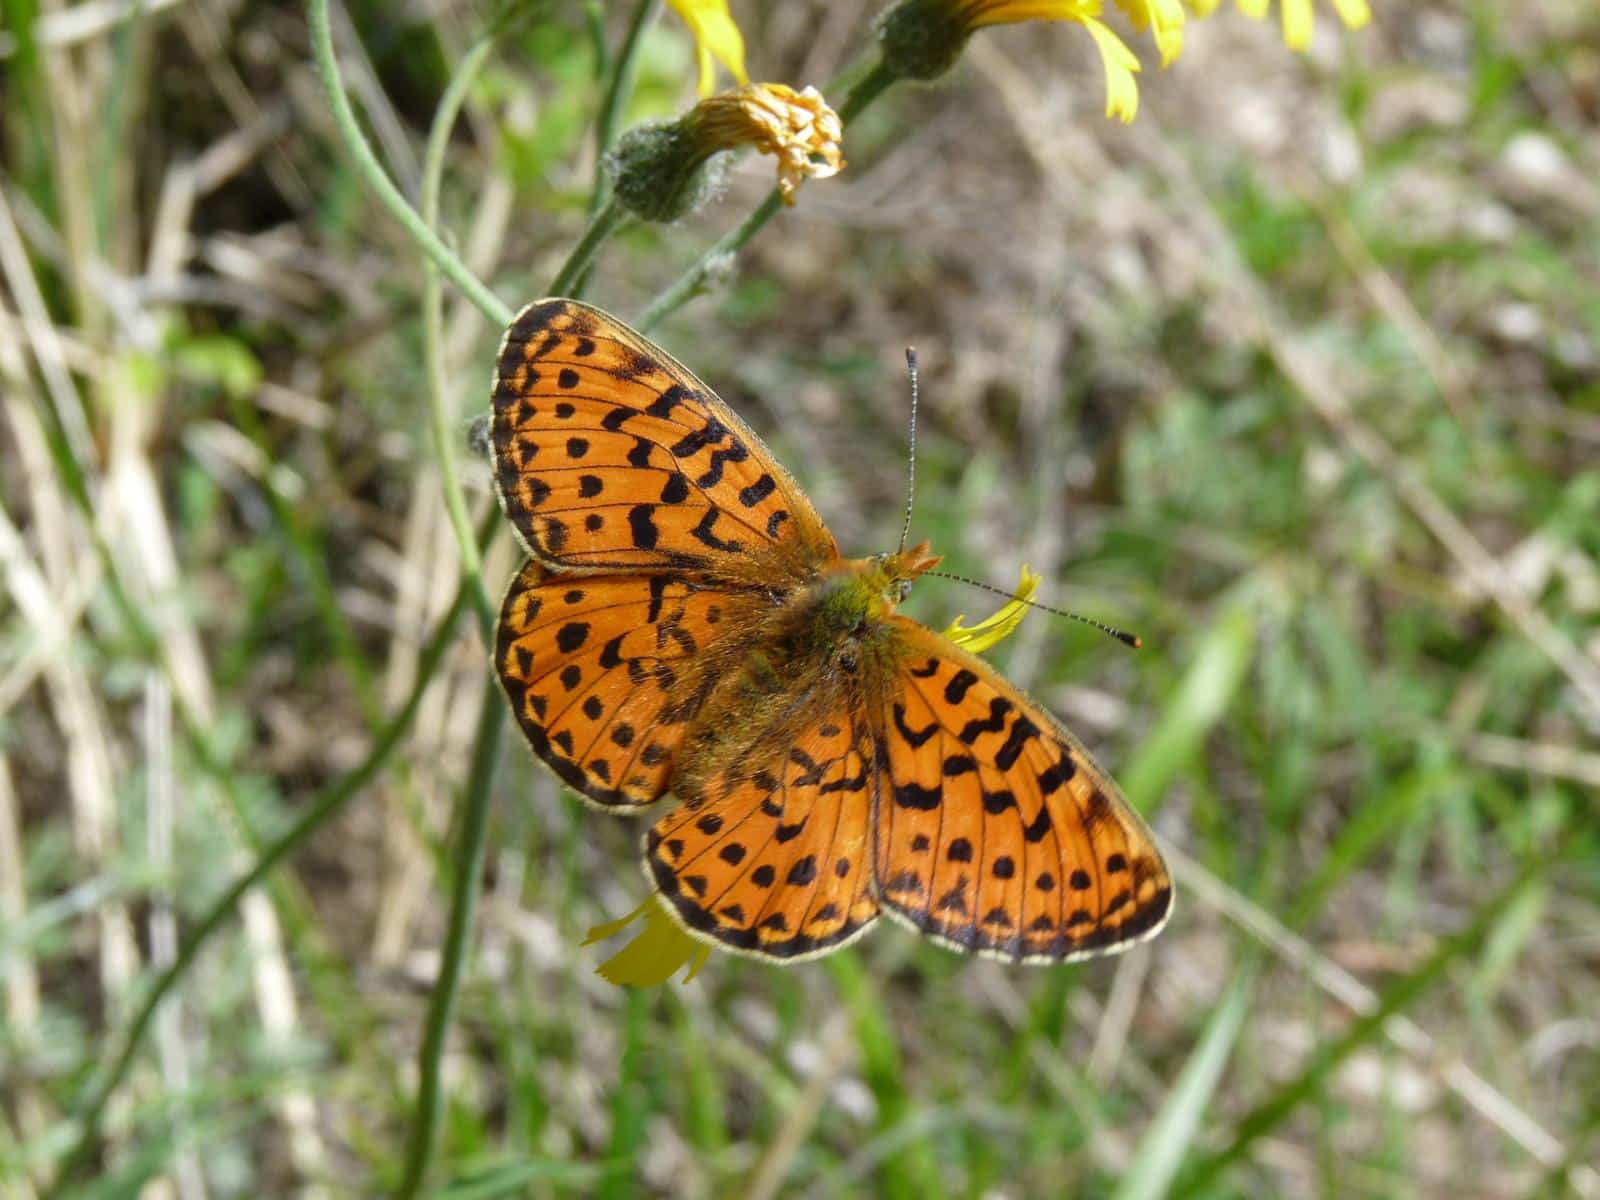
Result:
{"points": [[664, 171]]}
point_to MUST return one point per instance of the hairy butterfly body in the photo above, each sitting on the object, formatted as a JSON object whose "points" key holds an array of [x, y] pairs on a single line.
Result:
{"points": [[686, 625]]}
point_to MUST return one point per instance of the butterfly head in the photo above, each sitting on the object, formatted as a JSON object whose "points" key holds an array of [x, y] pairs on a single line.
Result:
{"points": [[892, 574]]}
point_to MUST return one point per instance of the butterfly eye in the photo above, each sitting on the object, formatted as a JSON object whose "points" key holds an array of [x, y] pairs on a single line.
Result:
{"points": [[904, 588], [848, 658]]}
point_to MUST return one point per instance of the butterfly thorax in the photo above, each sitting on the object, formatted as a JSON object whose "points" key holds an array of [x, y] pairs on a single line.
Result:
{"points": [[826, 645], [836, 623]]}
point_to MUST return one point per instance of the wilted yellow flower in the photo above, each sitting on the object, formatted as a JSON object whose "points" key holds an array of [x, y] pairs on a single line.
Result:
{"points": [[1296, 15], [660, 170], [716, 39], [921, 39], [797, 128], [999, 625], [656, 951]]}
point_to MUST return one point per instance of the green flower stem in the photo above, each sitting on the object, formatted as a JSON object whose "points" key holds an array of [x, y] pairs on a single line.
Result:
{"points": [[331, 802], [463, 905], [569, 281], [442, 427], [617, 94], [867, 89], [368, 166], [687, 286]]}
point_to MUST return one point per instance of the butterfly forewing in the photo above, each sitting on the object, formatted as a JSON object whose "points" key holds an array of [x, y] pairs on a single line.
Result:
{"points": [[611, 456], [995, 830]]}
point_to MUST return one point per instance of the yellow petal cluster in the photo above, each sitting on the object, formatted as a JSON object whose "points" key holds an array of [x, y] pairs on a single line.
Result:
{"points": [[716, 39], [654, 954], [797, 128], [999, 625], [1296, 15]]}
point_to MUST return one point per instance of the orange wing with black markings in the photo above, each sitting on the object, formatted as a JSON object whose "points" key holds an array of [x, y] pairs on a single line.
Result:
{"points": [[773, 855], [611, 456], [605, 673], [995, 831]]}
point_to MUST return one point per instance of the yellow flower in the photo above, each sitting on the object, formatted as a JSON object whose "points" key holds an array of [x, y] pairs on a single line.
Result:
{"points": [[716, 37], [655, 952], [1000, 625], [660, 170], [921, 39], [797, 128], [1297, 17]]}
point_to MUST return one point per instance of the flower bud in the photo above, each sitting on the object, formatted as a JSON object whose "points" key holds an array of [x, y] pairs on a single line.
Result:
{"points": [[664, 171]]}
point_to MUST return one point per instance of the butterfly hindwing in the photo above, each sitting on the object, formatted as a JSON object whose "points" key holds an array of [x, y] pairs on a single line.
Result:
{"points": [[605, 672], [995, 831], [773, 855], [611, 456]]}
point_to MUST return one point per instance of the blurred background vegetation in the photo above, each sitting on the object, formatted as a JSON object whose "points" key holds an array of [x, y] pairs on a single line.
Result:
{"points": [[1298, 376]]}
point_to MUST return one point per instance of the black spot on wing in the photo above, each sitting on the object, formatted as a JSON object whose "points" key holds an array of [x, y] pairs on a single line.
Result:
{"points": [[641, 525], [955, 691], [914, 737], [915, 796], [1023, 732], [758, 491], [995, 722], [704, 533]]}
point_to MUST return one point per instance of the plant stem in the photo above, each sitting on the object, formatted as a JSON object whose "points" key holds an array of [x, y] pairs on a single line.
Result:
{"points": [[463, 904], [867, 89], [617, 94], [433, 332], [569, 281], [370, 169]]}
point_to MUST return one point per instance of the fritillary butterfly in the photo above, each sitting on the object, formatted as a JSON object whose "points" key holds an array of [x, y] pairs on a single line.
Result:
{"points": [[686, 624]]}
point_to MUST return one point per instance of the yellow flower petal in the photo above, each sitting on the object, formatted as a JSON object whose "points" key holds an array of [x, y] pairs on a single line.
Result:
{"points": [[716, 37], [1122, 91], [654, 954], [1164, 18], [1354, 13], [1297, 15], [1297, 22], [1000, 625], [1008, 12]]}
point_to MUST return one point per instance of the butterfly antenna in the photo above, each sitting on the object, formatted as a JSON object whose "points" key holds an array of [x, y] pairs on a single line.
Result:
{"points": [[1122, 635], [911, 470]]}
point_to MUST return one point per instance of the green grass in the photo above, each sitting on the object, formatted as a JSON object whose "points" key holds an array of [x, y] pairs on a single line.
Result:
{"points": [[1296, 377]]}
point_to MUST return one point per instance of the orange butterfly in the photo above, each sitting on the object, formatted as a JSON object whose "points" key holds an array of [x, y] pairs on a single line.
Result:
{"points": [[687, 624]]}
